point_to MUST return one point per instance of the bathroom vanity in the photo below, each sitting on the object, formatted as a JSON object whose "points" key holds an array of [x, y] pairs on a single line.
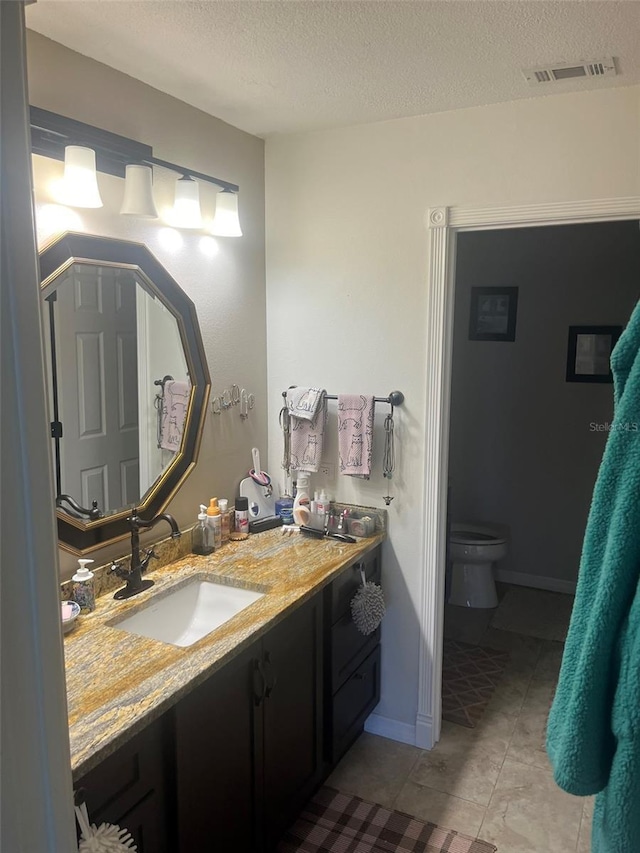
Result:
{"points": [[218, 745]]}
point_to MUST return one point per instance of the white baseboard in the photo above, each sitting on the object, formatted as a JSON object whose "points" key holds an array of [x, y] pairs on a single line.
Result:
{"points": [[392, 729], [536, 581]]}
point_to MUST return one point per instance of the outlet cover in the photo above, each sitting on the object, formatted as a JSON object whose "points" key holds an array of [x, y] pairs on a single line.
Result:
{"points": [[327, 469]]}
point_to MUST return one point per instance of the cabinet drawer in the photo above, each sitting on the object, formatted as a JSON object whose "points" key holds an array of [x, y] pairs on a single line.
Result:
{"points": [[353, 703], [346, 585], [348, 648]]}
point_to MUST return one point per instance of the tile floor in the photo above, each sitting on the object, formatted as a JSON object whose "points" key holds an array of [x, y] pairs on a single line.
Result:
{"points": [[493, 781]]}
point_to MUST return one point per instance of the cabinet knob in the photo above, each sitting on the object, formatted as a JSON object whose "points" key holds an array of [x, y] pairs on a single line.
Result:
{"points": [[270, 676]]}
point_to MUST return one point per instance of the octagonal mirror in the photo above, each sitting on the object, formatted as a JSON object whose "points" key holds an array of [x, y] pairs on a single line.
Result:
{"points": [[128, 384]]}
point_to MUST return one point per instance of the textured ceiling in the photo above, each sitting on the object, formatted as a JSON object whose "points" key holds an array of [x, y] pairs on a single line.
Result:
{"points": [[278, 67]]}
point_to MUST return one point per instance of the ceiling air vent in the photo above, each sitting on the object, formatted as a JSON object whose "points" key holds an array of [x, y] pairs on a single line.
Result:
{"points": [[570, 70]]}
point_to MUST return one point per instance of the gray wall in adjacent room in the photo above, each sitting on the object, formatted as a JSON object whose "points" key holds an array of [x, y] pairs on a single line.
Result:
{"points": [[523, 450]]}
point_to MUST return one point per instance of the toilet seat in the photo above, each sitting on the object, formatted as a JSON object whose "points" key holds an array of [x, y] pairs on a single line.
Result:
{"points": [[471, 534]]}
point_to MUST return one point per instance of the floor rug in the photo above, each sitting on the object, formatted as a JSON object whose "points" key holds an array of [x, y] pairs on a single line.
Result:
{"points": [[470, 674], [333, 822], [535, 613]]}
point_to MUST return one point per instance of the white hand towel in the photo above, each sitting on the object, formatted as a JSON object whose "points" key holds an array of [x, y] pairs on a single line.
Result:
{"points": [[307, 439], [355, 434], [304, 402]]}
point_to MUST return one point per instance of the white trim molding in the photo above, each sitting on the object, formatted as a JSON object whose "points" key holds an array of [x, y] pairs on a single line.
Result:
{"points": [[443, 224], [558, 213], [375, 724]]}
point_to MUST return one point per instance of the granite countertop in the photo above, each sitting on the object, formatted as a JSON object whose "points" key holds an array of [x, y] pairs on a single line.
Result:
{"points": [[117, 682]]}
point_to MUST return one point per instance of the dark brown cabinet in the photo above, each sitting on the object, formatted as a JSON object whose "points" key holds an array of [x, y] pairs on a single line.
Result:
{"points": [[232, 763], [131, 789], [352, 661], [292, 721], [249, 740], [215, 734]]}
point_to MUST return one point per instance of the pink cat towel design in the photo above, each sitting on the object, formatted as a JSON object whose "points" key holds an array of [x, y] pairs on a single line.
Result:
{"points": [[355, 434], [174, 411]]}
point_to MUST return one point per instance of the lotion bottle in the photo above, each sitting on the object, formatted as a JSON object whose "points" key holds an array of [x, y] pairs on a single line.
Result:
{"points": [[323, 504], [83, 587], [301, 508]]}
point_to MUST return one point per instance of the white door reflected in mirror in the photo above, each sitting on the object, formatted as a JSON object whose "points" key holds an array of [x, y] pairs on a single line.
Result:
{"points": [[109, 340]]}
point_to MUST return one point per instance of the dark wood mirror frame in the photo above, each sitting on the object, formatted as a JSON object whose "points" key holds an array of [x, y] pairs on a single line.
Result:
{"points": [[79, 536]]}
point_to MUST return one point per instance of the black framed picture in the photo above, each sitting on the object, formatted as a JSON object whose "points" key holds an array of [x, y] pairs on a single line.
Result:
{"points": [[589, 353], [493, 313]]}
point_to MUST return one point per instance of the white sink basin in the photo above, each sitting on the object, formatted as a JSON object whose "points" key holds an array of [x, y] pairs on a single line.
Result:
{"points": [[190, 612]]}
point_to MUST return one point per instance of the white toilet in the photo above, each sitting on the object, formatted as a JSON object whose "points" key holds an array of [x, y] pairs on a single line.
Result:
{"points": [[473, 549]]}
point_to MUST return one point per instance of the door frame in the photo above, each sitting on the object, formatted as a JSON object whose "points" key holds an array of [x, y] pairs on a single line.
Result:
{"points": [[443, 225]]}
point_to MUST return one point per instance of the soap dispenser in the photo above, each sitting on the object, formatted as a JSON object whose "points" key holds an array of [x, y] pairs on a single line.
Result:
{"points": [[215, 521], [202, 535], [83, 588]]}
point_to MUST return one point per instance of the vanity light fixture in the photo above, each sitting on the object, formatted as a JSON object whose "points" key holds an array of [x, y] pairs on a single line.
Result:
{"points": [[186, 207], [79, 186], [138, 192], [52, 135], [226, 222]]}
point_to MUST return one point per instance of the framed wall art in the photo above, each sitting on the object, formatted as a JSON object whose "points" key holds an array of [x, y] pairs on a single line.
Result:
{"points": [[589, 352], [493, 313]]}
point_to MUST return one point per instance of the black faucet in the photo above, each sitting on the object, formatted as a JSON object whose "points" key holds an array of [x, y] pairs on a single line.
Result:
{"points": [[133, 574]]}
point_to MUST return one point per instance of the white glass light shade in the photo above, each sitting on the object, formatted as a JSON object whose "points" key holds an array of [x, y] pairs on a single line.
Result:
{"points": [[138, 193], [80, 183], [186, 208], [226, 222]]}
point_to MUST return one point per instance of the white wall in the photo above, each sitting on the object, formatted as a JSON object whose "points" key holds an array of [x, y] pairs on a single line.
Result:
{"points": [[346, 266], [36, 811], [523, 450], [228, 289]]}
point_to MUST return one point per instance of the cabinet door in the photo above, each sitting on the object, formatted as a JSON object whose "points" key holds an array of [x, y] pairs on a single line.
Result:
{"points": [[352, 704], [146, 823], [292, 733], [215, 747], [129, 789]]}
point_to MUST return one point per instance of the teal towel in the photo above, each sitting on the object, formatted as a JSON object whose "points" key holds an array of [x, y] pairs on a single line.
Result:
{"points": [[593, 735]]}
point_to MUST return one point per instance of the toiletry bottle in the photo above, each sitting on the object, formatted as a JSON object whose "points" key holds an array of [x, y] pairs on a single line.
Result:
{"points": [[284, 508], [225, 521], [301, 508], [83, 589], [323, 504], [215, 522], [202, 535], [242, 515]]}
